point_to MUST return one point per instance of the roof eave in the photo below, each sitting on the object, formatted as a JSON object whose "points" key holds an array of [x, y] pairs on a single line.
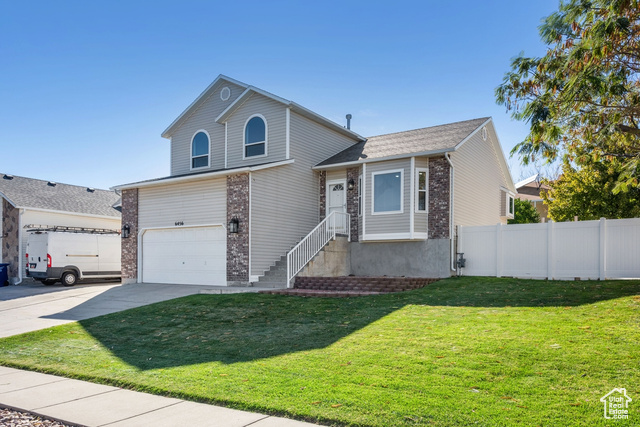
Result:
{"points": [[4, 196], [201, 176], [383, 159]]}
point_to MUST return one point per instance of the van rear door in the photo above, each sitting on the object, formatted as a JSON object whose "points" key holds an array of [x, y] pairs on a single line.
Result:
{"points": [[37, 252]]}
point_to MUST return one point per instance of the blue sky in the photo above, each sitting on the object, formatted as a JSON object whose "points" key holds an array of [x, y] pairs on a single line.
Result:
{"points": [[86, 87]]}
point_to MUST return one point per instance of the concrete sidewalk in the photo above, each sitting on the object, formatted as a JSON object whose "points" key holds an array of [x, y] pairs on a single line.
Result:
{"points": [[88, 404]]}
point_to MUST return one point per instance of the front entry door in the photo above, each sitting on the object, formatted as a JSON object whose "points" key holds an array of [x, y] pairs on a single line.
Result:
{"points": [[337, 202]]}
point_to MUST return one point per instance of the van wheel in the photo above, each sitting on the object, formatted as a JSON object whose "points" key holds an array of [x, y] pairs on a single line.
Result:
{"points": [[69, 278]]}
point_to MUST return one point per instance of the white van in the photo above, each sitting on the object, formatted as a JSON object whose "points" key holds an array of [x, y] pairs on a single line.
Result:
{"points": [[65, 256]]}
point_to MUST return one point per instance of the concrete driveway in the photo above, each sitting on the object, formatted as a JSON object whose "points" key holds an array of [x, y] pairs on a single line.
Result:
{"points": [[32, 306]]}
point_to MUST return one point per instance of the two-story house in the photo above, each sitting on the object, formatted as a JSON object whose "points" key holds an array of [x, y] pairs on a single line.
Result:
{"points": [[252, 174]]}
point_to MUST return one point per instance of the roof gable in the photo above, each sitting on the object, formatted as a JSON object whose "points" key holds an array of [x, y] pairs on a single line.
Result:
{"points": [[38, 194], [198, 102], [248, 92]]}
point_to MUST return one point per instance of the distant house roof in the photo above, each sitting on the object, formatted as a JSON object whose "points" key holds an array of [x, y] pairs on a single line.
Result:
{"points": [[532, 178], [425, 141], [531, 187], [31, 193]]}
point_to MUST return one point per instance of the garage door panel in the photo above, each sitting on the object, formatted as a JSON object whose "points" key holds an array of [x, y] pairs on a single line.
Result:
{"points": [[185, 256]]}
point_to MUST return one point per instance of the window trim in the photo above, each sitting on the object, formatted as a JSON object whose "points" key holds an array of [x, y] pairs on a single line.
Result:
{"points": [[373, 191], [360, 206], [265, 142], [510, 209], [191, 157], [426, 190]]}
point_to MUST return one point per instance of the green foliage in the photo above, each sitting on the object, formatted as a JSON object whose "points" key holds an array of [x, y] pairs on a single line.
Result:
{"points": [[588, 192], [582, 99], [524, 213]]}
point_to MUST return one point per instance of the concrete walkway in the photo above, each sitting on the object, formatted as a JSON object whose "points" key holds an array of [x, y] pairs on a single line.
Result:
{"points": [[88, 404], [31, 306]]}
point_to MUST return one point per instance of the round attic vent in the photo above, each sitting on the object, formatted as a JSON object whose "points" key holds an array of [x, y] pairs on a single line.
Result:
{"points": [[225, 93]]}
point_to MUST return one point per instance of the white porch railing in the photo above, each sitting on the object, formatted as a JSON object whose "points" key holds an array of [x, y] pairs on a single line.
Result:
{"points": [[298, 257]]}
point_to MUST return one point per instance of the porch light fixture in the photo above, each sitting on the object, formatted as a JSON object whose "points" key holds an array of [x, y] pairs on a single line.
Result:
{"points": [[351, 184], [234, 225], [126, 229]]}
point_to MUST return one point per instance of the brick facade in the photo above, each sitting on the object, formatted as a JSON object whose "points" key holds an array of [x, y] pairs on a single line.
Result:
{"points": [[129, 246], [323, 195], [352, 201], [11, 238], [439, 198], [238, 243]]}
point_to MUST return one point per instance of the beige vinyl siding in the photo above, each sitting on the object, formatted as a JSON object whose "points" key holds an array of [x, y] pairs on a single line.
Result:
{"points": [[285, 200], [275, 115], [203, 118], [334, 175], [388, 223], [477, 181], [193, 203], [69, 220], [420, 218]]}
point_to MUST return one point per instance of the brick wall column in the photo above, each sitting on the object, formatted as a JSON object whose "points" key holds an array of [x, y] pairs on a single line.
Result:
{"points": [[323, 195], [439, 198], [352, 201], [129, 246], [238, 243], [11, 238]]}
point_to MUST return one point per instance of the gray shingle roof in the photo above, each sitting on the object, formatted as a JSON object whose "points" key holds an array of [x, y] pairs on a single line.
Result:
{"points": [[37, 194], [425, 140]]}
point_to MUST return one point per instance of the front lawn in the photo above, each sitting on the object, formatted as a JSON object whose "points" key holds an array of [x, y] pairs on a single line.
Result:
{"points": [[462, 351]]}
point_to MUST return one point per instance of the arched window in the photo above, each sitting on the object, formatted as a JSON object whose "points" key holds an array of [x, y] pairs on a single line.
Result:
{"points": [[255, 137], [200, 150]]}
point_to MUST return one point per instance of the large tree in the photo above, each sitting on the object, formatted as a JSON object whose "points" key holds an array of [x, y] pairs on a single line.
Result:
{"points": [[582, 99], [587, 192]]}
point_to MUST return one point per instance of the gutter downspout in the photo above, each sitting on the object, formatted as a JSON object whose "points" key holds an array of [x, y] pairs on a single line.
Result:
{"points": [[20, 213], [451, 176]]}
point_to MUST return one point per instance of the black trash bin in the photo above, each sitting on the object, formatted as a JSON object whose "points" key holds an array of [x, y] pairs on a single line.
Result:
{"points": [[4, 274]]}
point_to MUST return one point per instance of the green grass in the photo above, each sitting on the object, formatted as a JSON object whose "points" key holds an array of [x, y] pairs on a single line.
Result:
{"points": [[462, 351]]}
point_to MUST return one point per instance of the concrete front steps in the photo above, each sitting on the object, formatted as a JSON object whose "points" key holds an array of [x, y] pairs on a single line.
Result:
{"points": [[349, 286], [332, 260]]}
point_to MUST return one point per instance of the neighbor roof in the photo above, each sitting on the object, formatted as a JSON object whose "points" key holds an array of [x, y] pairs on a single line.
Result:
{"points": [[435, 139], [31, 193], [532, 178]]}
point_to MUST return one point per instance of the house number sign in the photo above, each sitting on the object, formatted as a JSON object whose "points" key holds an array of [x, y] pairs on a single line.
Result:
{"points": [[178, 223]]}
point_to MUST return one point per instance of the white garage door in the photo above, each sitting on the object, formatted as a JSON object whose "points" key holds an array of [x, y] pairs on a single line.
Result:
{"points": [[188, 256]]}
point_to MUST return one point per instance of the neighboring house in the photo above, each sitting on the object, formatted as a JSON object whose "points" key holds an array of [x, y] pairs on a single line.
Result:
{"points": [[242, 157], [529, 189], [27, 201]]}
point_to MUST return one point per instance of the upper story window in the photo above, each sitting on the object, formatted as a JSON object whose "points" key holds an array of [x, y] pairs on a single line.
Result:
{"points": [[422, 192], [200, 150], [255, 137], [387, 192]]}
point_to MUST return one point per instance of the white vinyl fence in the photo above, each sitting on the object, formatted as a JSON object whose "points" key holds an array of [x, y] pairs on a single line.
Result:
{"points": [[604, 249]]}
